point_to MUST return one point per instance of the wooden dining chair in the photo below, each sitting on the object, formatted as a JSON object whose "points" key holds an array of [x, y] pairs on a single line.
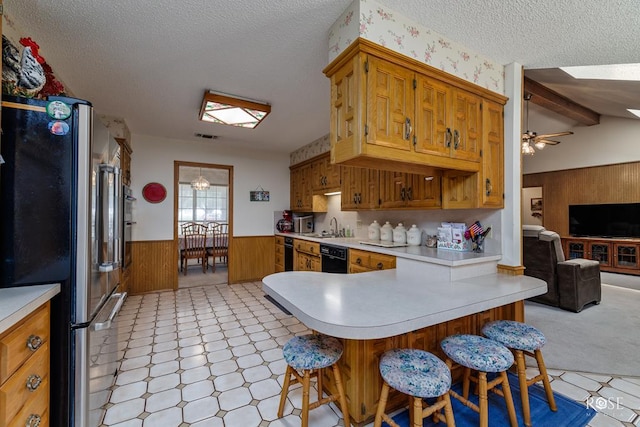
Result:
{"points": [[194, 247], [193, 228], [220, 247]]}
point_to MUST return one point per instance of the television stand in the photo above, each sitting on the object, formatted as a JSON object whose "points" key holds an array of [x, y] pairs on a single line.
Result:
{"points": [[615, 255]]}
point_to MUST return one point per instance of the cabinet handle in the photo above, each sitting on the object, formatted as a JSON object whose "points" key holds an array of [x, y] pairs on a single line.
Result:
{"points": [[358, 261], [407, 128], [402, 193], [33, 420], [379, 265], [456, 139], [447, 138], [33, 382], [488, 186], [409, 195], [358, 198], [355, 198], [34, 342]]}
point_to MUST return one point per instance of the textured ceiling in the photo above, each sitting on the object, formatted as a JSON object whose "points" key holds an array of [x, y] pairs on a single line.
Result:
{"points": [[150, 61]]}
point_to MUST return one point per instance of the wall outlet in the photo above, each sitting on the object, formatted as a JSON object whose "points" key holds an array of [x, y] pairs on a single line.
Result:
{"points": [[358, 225]]}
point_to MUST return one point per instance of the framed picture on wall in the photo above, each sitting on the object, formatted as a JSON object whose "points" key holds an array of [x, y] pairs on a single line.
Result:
{"points": [[536, 204]]}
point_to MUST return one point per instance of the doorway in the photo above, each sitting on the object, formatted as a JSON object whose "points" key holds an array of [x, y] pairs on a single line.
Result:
{"points": [[203, 194], [532, 206]]}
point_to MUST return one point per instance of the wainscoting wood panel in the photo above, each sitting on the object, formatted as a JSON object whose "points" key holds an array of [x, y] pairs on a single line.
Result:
{"points": [[154, 266], [251, 258], [619, 183]]}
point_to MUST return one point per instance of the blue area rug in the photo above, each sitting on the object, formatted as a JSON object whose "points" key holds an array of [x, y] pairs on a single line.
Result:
{"points": [[570, 413]]}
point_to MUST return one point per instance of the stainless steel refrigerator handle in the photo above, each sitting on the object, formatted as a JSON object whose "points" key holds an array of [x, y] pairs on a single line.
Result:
{"points": [[116, 309], [117, 217], [106, 178]]}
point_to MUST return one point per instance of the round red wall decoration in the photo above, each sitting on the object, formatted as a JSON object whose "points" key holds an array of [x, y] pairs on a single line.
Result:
{"points": [[154, 192]]}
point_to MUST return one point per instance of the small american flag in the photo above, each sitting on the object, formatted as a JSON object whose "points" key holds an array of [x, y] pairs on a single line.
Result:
{"points": [[475, 229]]}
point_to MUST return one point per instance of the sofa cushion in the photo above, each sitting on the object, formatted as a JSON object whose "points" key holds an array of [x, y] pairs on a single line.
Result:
{"points": [[552, 236], [532, 230], [583, 263]]}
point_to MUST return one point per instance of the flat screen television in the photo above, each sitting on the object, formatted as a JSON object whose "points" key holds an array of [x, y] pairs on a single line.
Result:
{"points": [[605, 220]]}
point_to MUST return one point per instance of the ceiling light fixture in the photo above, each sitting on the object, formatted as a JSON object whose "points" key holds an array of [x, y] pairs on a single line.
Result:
{"points": [[628, 72], [634, 112], [231, 110], [200, 183]]}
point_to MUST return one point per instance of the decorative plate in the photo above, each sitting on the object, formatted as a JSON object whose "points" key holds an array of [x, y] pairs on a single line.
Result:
{"points": [[154, 192]]}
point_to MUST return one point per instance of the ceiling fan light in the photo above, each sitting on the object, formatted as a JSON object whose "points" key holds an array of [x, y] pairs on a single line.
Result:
{"points": [[540, 145], [527, 148]]}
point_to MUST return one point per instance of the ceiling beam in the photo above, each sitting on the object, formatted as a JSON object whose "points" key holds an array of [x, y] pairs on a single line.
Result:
{"points": [[551, 100]]}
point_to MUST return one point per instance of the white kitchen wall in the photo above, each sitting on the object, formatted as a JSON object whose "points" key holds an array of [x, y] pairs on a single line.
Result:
{"points": [[427, 220], [153, 161], [614, 140]]}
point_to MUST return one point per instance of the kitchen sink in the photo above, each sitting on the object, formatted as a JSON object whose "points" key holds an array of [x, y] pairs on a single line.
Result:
{"points": [[319, 235]]}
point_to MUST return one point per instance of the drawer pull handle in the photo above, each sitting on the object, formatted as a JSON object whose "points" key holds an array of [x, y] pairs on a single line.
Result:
{"points": [[358, 261], [379, 265], [33, 382], [33, 420], [34, 342]]}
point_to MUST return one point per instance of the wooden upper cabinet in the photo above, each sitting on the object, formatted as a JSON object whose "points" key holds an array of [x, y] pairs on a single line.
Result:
{"points": [[467, 126], [390, 104], [325, 176], [433, 117], [492, 176], [359, 188], [301, 196]]}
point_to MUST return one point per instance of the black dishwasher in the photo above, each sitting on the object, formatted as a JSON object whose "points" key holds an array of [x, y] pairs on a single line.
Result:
{"points": [[288, 254], [334, 259]]}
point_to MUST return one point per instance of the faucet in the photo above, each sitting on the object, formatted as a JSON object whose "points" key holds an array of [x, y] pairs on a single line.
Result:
{"points": [[334, 231]]}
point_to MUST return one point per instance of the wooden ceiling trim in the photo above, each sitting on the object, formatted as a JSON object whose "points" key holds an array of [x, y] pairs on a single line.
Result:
{"points": [[551, 100]]}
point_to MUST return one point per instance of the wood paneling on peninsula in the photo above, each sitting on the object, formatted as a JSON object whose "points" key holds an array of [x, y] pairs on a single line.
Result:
{"points": [[619, 183], [251, 258]]}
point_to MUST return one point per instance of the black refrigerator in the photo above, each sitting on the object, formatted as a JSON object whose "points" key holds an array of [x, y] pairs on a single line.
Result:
{"points": [[61, 222]]}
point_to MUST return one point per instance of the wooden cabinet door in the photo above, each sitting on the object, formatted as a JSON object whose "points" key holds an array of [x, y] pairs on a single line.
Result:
{"points": [[349, 188], [467, 126], [295, 179], [459, 190], [324, 175], [301, 199], [346, 109], [492, 170], [424, 191], [600, 251], [390, 104], [433, 132], [393, 189], [332, 175], [626, 256], [359, 188]]}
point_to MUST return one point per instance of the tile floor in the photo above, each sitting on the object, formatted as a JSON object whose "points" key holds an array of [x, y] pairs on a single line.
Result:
{"points": [[212, 356]]}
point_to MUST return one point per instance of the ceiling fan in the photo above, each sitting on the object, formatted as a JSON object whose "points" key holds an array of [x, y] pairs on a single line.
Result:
{"points": [[531, 139]]}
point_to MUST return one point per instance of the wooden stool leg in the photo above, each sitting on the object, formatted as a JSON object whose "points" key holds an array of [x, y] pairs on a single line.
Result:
{"points": [[545, 380], [285, 390], [343, 397], [382, 404], [417, 411], [506, 390], [465, 382], [482, 399], [448, 411], [306, 383], [524, 388], [319, 384]]}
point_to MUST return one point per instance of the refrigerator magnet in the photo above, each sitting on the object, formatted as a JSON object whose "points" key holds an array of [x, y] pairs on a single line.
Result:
{"points": [[58, 110], [58, 128], [154, 192]]}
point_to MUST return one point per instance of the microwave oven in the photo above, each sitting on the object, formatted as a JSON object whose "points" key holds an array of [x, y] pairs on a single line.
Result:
{"points": [[303, 224]]}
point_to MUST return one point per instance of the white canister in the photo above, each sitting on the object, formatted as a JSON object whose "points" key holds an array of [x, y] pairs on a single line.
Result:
{"points": [[386, 232], [374, 231], [400, 234], [414, 236]]}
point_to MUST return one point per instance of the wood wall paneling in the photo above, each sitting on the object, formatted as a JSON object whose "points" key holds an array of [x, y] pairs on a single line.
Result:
{"points": [[154, 266], [251, 258], [617, 183]]}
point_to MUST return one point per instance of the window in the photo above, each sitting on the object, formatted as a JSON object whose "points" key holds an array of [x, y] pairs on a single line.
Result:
{"points": [[202, 205]]}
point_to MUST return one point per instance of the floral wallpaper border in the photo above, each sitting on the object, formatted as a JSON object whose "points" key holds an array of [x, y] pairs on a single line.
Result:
{"points": [[312, 149], [379, 24]]}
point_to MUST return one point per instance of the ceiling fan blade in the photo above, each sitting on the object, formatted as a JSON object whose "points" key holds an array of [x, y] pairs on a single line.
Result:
{"points": [[552, 135], [548, 142]]}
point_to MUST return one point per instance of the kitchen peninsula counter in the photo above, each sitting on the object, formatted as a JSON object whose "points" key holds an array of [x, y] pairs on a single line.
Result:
{"points": [[17, 303], [400, 308]]}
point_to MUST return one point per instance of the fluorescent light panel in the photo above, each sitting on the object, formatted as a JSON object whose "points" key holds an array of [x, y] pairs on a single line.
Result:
{"points": [[233, 111], [628, 72]]}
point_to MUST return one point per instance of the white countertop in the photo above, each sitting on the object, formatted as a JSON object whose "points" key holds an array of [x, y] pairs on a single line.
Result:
{"points": [[18, 303], [385, 303], [419, 253]]}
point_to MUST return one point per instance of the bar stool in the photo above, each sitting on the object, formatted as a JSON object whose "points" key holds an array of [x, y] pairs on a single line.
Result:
{"points": [[482, 355], [523, 340], [310, 354], [418, 374]]}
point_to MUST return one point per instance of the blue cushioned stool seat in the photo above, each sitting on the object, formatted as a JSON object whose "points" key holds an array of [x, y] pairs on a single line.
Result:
{"points": [[477, 353], [419, 374], [415, 372], [312, 351], [514, 334]]}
